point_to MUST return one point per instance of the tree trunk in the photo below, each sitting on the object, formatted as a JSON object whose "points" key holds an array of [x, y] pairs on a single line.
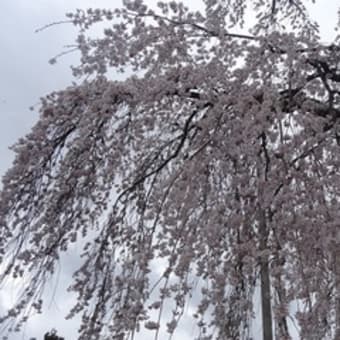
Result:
{"points": [[267, 322], [337, 286]]}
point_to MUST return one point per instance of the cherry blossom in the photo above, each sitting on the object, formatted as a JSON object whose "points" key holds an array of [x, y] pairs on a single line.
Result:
{"points": [[216, 159]]}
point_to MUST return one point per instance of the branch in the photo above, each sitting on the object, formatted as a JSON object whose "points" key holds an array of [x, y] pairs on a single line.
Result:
{"points": [[197, 26], [273, 9], [182, 137]]}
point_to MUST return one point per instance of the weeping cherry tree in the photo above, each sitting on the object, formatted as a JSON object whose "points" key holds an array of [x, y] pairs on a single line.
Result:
{"points": [[207, 177]]}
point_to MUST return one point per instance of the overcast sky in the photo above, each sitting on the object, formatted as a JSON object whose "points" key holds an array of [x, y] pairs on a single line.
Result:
{"points": [[26, 75]]}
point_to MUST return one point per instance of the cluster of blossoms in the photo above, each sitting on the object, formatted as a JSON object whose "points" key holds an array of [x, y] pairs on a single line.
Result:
{"points": [[218, 158]]}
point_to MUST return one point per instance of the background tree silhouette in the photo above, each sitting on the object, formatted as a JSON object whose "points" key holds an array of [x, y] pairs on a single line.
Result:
{"points": [[217, 159], [52, 335]]}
